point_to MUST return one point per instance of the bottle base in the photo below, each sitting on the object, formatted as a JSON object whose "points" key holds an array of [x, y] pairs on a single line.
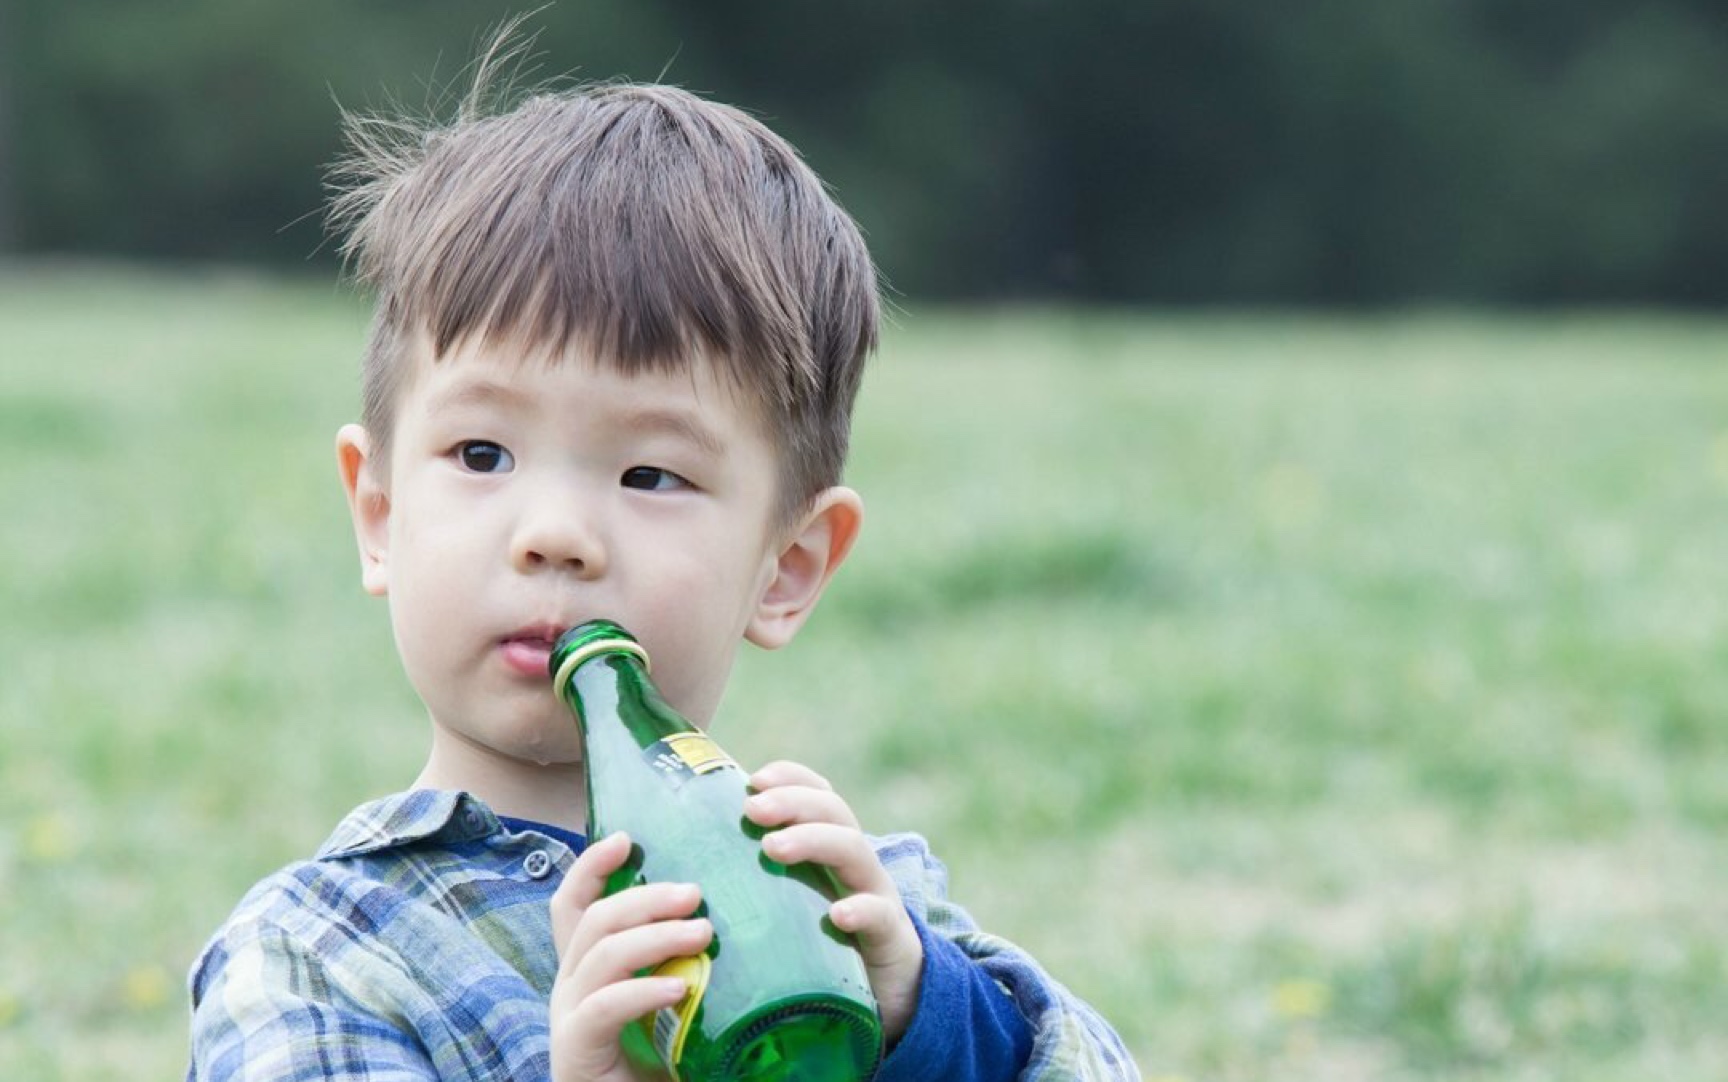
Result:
{"points": [[804, 1042]]}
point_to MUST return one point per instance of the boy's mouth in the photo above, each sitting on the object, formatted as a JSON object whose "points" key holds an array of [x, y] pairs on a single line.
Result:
{"points": [[529, 650]]}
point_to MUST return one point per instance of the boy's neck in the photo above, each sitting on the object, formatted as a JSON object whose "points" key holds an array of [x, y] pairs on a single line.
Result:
{"points": [[556, 795]]}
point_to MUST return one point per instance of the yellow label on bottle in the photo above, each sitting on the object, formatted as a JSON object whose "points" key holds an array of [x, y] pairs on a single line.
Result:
{"points": [[697, 751], [672, 1024]]}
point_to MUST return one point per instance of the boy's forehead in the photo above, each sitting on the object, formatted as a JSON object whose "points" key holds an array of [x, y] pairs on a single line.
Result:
{"points": [[711, 382]]}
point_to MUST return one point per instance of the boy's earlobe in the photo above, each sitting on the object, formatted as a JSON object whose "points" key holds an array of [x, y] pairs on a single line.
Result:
{"points": [[368, 506], [806, 563]]}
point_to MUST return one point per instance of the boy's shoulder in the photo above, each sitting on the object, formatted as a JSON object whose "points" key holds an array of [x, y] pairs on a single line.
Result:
{"points": [[416, 902], [397, 868]]}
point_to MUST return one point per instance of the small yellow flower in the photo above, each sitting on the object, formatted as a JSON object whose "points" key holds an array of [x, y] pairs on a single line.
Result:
{"points": [[145, 988], [49, 839], [1301, 999]]}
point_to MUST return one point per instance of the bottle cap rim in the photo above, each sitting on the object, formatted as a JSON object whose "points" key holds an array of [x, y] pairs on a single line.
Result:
{"points": [[599, 646]]}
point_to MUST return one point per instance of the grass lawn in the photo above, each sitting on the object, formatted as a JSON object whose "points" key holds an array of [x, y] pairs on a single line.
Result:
{"points": [[1321, 698]]}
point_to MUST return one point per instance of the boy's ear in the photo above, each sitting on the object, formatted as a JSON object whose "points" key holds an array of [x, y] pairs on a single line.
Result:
{"points": [[368, 505], [807, 560]]}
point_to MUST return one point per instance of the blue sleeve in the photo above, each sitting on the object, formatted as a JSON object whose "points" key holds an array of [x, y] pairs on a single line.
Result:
{"points": [[964, 1029]]}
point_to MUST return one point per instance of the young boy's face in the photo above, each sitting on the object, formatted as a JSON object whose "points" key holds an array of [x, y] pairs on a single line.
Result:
{"points": [[523, 497]]}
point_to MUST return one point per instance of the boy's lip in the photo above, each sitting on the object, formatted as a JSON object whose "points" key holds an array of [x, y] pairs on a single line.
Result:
{"points": [[527, 650]]}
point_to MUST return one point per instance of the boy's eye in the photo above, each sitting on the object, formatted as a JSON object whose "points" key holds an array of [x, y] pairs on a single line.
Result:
{"points": [[484, 456], [652, 479]]}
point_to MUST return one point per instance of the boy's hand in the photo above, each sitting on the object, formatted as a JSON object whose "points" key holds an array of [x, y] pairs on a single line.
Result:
{"points": [[816, 826], [602, 944]]}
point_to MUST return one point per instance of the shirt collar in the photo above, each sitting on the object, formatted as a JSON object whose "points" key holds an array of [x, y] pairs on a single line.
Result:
{"points": [[410, 817]]}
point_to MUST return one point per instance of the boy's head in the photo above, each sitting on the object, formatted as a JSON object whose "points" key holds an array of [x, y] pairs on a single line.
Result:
{"points": [[619, 333], [640, 226]]}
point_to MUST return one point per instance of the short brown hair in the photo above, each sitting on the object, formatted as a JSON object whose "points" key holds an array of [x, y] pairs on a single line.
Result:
{"points": [[639, 222]]}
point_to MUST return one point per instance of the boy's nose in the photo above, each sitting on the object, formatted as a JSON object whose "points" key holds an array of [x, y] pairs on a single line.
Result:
{"points": [[561, 540]]}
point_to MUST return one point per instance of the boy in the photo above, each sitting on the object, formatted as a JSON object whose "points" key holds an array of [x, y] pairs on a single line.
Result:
{"points": [[618, 337]]}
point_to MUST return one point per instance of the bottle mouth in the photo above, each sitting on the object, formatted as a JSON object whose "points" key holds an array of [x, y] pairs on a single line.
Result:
{"points": [[588, 640]]}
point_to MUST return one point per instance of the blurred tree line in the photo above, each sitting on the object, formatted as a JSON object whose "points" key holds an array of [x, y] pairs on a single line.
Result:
{"points": [[1174, 151]]}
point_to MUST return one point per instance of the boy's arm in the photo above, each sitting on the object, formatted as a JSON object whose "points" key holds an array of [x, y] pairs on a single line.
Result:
{"points": [[1070, 1040]]}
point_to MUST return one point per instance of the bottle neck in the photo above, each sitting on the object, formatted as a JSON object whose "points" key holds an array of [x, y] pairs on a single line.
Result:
{"points": [[613, 685]]}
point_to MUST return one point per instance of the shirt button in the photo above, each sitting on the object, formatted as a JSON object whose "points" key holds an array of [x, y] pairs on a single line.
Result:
{"points": [[537, 865], [473, 820]]}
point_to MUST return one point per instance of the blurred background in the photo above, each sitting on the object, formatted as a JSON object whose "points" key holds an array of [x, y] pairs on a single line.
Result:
{"points": [[1292, 597], [1342, 152]]}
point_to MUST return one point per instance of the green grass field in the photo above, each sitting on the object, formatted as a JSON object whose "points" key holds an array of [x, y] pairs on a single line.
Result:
{"points": [[1321, 698]]}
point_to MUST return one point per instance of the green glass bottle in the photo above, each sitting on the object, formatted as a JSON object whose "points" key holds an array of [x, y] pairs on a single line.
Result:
{"points": [[781, 994]]}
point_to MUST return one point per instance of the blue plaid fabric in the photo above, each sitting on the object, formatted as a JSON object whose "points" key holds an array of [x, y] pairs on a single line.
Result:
{"points": [[417, 945]]}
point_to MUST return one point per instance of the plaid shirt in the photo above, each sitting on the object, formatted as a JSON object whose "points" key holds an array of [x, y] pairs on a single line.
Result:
{"points": [[418, 945]]}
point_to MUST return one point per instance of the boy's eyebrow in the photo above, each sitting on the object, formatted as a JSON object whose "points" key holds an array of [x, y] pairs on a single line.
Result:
{"points": [[474, 393], [674, 423]]}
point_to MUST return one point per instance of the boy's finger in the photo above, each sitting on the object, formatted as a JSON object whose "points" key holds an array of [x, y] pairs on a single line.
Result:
{"points": [[621, 955], [590, 1027], [842, 849], [786, 772], [892, 953], [585, 882], [880, 925], [799, 804], [625, 911]]}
